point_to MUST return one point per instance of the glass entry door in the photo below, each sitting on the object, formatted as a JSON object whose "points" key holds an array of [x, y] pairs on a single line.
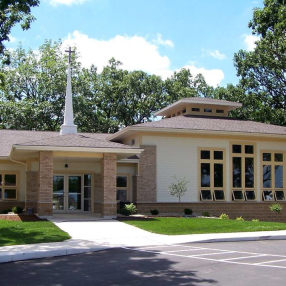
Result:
{"points": [[72, 193]]}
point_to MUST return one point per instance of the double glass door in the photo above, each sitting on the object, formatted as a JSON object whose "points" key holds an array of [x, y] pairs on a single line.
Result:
{"points": [[71, 193]]}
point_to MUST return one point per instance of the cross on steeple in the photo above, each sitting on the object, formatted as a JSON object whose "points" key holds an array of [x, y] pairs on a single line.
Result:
{"points": [[69, 51]]}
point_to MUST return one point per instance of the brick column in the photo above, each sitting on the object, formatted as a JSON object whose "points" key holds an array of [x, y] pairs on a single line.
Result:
{"points": [[109, 169], [45, 194], [146, 181], [32, 189]]}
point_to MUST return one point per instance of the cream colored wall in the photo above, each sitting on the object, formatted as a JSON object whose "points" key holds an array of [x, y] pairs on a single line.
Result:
{"points": [[179, 156], [21, 172], [77, 166]]}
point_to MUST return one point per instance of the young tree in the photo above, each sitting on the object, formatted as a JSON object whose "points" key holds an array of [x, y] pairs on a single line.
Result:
{"points": [[178, 188]]}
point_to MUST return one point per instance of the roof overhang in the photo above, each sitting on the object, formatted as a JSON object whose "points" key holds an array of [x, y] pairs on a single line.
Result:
{"points": [[78, 149], [132, 129]]}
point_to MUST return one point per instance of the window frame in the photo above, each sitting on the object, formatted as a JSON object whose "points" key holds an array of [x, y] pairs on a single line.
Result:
{"points": [[212, 162], [273, 163], [124, 188], [243, 155], [3, 187]]}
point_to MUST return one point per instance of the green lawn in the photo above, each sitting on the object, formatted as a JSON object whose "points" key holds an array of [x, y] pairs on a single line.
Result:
{"points": [[176, 225], [18, 232]]}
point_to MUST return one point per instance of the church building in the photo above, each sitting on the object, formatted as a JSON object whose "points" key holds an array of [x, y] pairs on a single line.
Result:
{"points": [[231, 166]]}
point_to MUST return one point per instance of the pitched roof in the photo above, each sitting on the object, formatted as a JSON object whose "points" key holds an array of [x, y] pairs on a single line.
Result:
{"points": [[207, 123], [199, 100], [8, 138]]}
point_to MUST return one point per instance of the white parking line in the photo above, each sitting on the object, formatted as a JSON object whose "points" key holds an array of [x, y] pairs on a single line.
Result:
{"points": [[229, 260], [244, 257], [190, 249]]}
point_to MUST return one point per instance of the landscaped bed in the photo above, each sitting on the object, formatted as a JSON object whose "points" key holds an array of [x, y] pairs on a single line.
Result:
{"points": [[20, 232], [175, 225]]}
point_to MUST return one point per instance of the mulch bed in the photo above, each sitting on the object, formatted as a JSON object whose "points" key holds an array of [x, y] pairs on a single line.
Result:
{"points": [[19, 217]]}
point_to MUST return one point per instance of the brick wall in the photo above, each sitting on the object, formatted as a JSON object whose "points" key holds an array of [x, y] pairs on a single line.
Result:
{"points": [[248, 210], [146, 181], [45, 194], [32, 189], [4, 205]]}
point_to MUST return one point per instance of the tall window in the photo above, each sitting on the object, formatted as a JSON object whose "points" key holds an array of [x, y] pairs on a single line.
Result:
{"points": [[8, 186], [243, 171], [273, 178], [121, 188], [212, 174]]}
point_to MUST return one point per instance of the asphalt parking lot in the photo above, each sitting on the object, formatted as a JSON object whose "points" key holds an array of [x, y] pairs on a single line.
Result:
{"points": [[231, 263]]}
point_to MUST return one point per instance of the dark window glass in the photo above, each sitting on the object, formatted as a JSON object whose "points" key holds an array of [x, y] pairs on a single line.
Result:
{"points": [[278, 176], [87, 192], [121, 195], [279, 195], [236, 148], [267, 181], [218, 175], [278, 157], [205, 154], [87, 180], [0, 194], [266, 156], [10, 180], [207, 110], [219, 111], [249, 172], [237, 195], [250, 195], [184, 110], [248, 149], [0, 181], [195, 109], [267, 196], [75, 184], [121, 182], [218, 155], [236, 173], [10, 194], [219, 195], [58, 184], [86, 205], [206, 195], [205, 175]]}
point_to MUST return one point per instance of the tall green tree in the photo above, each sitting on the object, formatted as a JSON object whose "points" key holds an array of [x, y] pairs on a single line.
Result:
{"points": [[262, 72], [13, 12]]}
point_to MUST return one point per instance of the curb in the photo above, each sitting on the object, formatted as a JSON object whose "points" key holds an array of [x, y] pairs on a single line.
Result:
{"points": [[237, 239]]}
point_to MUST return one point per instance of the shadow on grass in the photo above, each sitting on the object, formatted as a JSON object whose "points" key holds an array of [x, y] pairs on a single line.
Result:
{"points": [[109, 267], [14, 235], [137, 219]]}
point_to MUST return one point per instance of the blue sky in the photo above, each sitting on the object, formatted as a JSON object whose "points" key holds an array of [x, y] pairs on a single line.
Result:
{"points": [[157, 36]]}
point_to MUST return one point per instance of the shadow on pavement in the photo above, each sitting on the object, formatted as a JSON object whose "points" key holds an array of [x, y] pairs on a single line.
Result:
{"points": [[108, 267]]}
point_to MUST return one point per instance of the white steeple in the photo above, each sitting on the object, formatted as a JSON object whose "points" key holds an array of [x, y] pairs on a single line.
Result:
{"points": [[68, 127]]}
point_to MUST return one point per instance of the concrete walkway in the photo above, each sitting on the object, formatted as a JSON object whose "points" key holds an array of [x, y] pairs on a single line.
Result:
{"points": [[92, 234]]}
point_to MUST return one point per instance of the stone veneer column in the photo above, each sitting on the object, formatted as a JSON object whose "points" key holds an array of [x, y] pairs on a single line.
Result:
{"points": [[45, 194], [108, 198], [146, 181], [32, 189]]}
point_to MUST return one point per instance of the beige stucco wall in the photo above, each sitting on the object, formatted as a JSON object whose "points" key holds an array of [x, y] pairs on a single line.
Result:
{"points": [[92, 166], [179, 156], [21, 172]]}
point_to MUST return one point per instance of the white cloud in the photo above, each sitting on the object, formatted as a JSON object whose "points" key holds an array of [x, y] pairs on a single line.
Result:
{"points": [[135, 53], [213, 77], [249, 41], [66, 2], [159, 41], [217, 55], [12, 39]]}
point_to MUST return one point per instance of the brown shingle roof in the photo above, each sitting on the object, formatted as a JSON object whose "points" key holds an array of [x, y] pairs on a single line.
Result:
{"points": [[214, 124], [42, 138]]}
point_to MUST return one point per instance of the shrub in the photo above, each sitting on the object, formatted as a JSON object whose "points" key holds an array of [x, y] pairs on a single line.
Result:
{"points": [[154, 212], [17, 210], [207, 214], [240, 218], [5, 211], [255, 220], [188, 211], [276, 208], [129, 209], [223, 216]]}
